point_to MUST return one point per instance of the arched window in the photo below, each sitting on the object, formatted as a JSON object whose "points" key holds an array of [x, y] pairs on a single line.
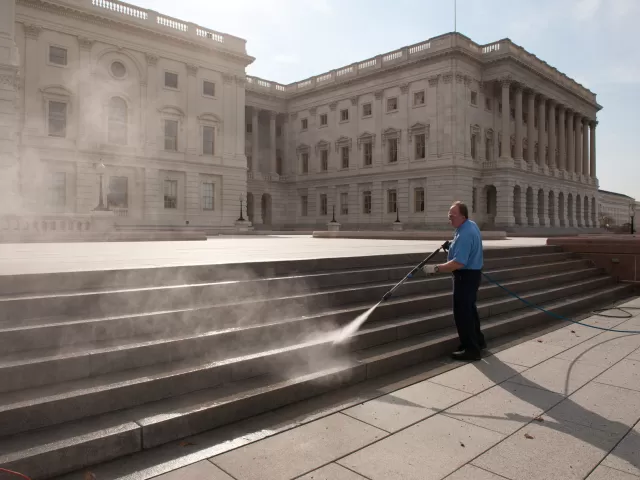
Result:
{"points": [[117, 121]]}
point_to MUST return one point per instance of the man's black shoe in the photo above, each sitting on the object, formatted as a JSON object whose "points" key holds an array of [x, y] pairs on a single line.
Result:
{"points": [[483, 346], [466, 355]]}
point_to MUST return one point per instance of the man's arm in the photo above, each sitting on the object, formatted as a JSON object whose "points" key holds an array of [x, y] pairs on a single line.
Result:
{"points": [[463, 251]]}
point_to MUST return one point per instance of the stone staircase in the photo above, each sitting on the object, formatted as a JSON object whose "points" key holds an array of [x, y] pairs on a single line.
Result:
{"points": [[98, 365]]}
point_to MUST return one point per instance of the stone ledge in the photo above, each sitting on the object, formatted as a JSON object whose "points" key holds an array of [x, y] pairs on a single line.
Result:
{"points": [[404, 235]]}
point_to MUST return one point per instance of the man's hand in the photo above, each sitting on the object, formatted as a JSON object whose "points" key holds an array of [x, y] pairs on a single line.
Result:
{"points": [[430, 270]]}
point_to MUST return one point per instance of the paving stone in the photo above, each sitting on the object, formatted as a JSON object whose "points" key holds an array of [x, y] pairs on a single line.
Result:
{"points": [[604, 349], [605, 407], [560, 376], [478, 376], [300, 450], [634, 355], [406, 406], [429, 450], [204, 470], [333, 471], [626, 455], [606, 473], [549, 450], [529, 353], [624, 374], [505, 407], [469, 472], [569, 336]]}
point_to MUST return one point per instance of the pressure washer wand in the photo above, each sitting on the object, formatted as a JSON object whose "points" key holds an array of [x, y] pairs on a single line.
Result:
{"points": [[416, 269]]}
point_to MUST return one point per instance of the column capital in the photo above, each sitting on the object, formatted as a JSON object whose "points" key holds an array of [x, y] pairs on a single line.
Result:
{"points": [[593, 123], [294, 115], [312, 111], [378, 94], [85, 43], [192, 70], [506, 80], [272, 114], [332, 106], [404, 88], [552, 102], [433, 80], [354, 101], [240, 80], [32, 31], [152, 59]]}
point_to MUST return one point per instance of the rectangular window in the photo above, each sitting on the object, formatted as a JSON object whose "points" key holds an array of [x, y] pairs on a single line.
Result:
{"points": [[344, 115], [392, 201], [304, 205], [170, 80], [367, 153], [366, 203], [474, 98], [393, 150], [207, 196], [170, 194], [324, 160], [249, 162], [418, 199], [344, 154], [118, 194], [304, 123], [209, 89], [344, 203], [366, 110], [58, 190], [171, 135], [305, 162], [57, 119], [473, 145], [249, 128], [418, 98], [324, 119], [487, 103], [57, 55], [208, 134], [392, 104], [421, 146], [324, 207], [279, 165]]}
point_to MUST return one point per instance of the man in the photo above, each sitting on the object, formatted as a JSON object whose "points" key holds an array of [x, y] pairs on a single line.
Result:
{"points": [[464, 261]]}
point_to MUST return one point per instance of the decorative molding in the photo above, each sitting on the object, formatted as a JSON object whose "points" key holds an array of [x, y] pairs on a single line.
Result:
{"points": [[312, 111], [10, 80], [489, 134], [354, 101], [433, 80], [152, 60], [507, 80], [468, 80], [366, 137], [240, 81], [302, 148], [378, 94], [343, 142], [460, 78], [322, 145], [294, 115], [419, 129], [192, 70], [272, 114], [475, 129], [404, 88], [227, 78], [390, 133], [32, 31], [447, 77], [332, 106], [85, 43]]}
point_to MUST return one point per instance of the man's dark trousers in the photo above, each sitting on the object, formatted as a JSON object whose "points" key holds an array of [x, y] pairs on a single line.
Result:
{"points": [[465, 313]]}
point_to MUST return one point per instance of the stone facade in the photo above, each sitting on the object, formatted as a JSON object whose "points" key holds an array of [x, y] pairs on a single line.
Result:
{"points": [[615, 208], [159, 113]]}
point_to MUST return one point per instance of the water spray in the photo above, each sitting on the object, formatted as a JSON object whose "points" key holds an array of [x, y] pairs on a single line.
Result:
{"points": [[355, 325]]}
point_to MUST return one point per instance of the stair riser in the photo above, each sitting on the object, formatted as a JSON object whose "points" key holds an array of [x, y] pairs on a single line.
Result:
{"points": [[135, 278], [137, 301], [219, 346]]}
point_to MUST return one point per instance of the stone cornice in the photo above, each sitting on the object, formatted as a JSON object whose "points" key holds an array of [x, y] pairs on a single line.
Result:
{"points": [[95, 18]]}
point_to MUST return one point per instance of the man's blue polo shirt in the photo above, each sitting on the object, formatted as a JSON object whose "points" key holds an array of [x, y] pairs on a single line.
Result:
{"points": [[466, 247]]}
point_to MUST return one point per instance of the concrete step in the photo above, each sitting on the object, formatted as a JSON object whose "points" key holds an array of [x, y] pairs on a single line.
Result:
{"points": [[37, 407], [32, 368], [64, 330], [194, 274], [119, 301], [56, 450]]}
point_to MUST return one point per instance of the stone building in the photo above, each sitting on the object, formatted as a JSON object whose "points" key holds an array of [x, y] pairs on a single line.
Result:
{"points": [[615, 209], [159, 113]]}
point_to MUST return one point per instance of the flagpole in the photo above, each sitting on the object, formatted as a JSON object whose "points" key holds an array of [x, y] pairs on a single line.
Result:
{"points": [[455, 16]]}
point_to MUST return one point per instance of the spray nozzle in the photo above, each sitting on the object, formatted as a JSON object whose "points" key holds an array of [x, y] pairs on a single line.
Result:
{"points": [[386, 296]]}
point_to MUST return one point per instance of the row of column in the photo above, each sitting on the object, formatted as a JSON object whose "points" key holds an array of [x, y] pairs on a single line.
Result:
{"points": [[255, 142], [576, 147]]}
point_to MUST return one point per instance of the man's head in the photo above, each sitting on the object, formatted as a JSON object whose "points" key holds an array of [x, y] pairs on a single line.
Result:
{"points": [[458, 214]]}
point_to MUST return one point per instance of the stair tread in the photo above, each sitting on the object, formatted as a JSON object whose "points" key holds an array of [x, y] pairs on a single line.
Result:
{"points": [[54, 437], [48, 354]]}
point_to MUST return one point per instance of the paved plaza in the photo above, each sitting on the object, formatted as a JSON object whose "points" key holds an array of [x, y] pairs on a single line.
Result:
{"points": [[66, 257]]}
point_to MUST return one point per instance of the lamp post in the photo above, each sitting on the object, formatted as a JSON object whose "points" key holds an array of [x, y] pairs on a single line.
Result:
{"points": [[101, 169], [632, 213], [241, 219]]}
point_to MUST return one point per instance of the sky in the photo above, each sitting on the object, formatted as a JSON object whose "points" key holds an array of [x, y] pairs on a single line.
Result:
{"points": [[591, 41]]}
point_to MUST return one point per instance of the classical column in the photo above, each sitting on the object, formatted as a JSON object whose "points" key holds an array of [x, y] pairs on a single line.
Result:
{"points": [[241, 121], [551, 127], [192, 106], [571, 160], [506, 120], [84, 94], [33, 117], [578, 140], [152, 125], [504, 204], [519, 125], [562, 130], [541, 131], [592, 150], [287, 164], [531, 100], [272, 141], [255, 163], [10, 200], [585, 148]]}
